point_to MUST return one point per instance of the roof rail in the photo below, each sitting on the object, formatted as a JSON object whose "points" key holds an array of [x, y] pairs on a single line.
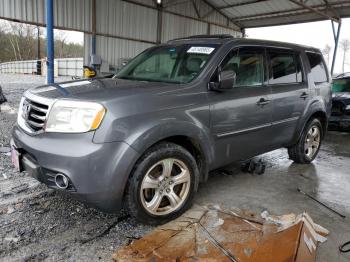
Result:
{"points": [[218, 36]]}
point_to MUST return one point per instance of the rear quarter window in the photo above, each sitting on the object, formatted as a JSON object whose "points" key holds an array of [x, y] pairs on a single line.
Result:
{"points": [[285, 67], [318, 68]]}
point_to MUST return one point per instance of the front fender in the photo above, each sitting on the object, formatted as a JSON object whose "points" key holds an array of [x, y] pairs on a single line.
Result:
{"points": [[141, 140]]}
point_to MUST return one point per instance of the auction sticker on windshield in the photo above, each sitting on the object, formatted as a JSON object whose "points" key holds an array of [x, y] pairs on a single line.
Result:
{"points": [[201, 50]]}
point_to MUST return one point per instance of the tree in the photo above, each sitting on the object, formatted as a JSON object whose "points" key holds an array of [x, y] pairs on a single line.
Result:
{"points": [[345, 45], [20, 42], [60, 43], [20, 38], [326, 53]]}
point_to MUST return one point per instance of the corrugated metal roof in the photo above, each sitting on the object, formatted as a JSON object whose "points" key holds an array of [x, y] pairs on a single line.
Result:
{"points": [[257, 13]]}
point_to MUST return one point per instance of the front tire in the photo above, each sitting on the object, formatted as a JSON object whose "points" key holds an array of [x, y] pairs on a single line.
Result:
{"points": [[162, 184], [306, 150]]}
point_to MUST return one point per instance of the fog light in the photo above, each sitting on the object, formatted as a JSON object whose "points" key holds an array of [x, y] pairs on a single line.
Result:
{"points": [[61, 181]]}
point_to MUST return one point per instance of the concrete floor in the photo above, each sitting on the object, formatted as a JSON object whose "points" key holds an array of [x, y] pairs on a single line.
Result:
{"points": [[327, 179], [38, 224]]}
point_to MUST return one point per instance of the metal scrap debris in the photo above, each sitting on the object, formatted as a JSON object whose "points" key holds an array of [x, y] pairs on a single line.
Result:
{"points": [[254, 166], [321, 203], [214, 234]]}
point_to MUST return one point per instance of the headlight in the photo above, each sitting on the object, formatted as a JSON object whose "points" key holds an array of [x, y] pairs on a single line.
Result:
{"points": [[74, 116], [347, 107]]}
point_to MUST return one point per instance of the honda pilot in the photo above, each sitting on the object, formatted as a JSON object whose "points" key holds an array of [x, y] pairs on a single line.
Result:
{"points": [[148, 136]]}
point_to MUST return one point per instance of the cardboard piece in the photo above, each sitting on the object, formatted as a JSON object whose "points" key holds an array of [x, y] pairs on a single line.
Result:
{"points": [[213, 234]]}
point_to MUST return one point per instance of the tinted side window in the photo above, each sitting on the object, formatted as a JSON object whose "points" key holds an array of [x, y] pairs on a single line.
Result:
{"points": [[318, 69], [248, 65], [284, 67]]}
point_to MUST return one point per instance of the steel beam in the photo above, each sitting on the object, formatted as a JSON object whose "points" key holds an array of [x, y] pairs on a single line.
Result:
{"points": [[208, 13], [336, 40], [196, 9], [314, 10], [50, 42], [220, 12], [182, 15], [294, 11], [241, 4], [172, 3]]}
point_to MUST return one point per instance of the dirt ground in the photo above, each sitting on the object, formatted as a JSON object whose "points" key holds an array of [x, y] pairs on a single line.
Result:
{"points": [[39, 224]]}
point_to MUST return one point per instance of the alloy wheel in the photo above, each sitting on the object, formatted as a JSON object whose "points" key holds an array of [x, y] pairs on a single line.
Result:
{"points": [[312, 141], [165, 187]]}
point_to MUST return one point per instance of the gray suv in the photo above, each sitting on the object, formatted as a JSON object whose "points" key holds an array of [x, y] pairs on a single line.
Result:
{"points": [[150, 134]]}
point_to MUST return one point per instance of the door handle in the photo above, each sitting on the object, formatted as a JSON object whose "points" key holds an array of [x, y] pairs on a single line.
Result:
{"points": [[262, 101], [304, 95]]}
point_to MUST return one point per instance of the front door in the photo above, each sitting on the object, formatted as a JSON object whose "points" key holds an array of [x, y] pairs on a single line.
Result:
{"points": [[241, 116]]}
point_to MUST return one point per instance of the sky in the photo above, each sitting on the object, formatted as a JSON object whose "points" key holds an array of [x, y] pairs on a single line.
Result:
{"points": [[72, 36], [316, 34]]}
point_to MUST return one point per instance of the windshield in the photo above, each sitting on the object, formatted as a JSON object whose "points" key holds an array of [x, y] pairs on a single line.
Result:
{"points": [[171, 64], [341, 85]]}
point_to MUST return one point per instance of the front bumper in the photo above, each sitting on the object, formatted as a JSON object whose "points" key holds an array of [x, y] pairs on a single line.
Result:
{"points": [[339, 121], [97, 172]]}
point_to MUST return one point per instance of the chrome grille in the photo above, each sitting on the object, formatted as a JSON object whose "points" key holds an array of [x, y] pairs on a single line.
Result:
{"points": [[34, 114]]}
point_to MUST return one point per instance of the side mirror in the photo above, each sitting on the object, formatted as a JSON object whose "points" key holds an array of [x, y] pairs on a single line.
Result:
{"points": [[227, 78]]}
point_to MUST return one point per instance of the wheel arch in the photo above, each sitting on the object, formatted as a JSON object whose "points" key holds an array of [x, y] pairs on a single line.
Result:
{"points": [[195, 139], [194, 146], [322, 116], [316, 112], [195, 149]]}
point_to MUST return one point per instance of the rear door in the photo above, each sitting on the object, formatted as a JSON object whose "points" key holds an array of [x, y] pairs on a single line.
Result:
{"points": [[241, 116], [289, 93]]}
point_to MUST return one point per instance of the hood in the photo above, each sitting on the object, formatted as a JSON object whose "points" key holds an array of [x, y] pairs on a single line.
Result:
{"points": [[341, 96], [99, 89]]}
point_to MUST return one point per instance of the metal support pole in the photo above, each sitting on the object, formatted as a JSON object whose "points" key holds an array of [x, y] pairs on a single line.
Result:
{"points": [[159, 23], [93, 24], [243, 33], [38, 43], [38, 62], [336, 45], [50, 41], [334, 33]]}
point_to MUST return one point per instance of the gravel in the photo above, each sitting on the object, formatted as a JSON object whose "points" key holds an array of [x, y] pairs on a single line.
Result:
{"points": [[40, 224]]}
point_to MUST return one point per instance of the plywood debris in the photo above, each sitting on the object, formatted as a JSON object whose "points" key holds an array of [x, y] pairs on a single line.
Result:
{"points": [[214, 234]]}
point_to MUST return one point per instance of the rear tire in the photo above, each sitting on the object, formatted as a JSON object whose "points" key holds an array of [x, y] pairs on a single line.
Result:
{"points": [[162, 184], [306, 150]]}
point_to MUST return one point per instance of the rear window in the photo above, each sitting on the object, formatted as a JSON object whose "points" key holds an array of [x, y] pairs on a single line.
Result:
{"points": [[284, 67], [318, 68]]}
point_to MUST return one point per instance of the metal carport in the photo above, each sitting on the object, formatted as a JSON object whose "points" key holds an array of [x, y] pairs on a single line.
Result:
{"points": [[116, 29]]}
